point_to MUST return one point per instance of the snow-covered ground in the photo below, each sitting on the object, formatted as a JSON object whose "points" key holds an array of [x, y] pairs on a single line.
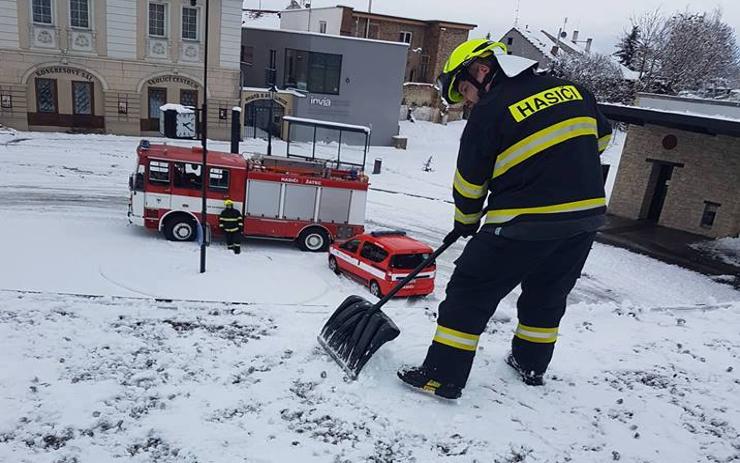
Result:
{"points": [[114, 346], [725, 249]]}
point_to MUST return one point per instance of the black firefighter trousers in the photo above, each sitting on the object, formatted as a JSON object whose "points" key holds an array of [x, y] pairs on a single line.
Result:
{"points": [[489, 268], [234, 241]]}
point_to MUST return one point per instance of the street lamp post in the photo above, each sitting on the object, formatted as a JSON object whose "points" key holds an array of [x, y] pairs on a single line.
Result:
{"points": [[204, 142], [273, 89]]}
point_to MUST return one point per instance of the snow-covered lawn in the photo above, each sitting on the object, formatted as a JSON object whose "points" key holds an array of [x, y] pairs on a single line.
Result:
{"points": [[115, 347]]}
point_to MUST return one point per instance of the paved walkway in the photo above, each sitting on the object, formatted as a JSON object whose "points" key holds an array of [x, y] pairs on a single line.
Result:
{"points": [[667, 245]]}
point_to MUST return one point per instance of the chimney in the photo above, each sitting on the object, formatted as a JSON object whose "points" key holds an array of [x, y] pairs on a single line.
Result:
{"points": [[575, 37], [588, 44]]}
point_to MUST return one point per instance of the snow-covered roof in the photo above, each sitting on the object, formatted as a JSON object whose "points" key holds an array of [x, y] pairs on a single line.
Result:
{"points": [[327, 36], [261, 19], [683, 120], [544, 42], [338, 125], [288, 91], [541, 41], [177, 107]]}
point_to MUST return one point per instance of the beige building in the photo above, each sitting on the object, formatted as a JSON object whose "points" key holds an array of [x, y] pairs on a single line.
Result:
{"points": [[107, 65], [680, 167]]}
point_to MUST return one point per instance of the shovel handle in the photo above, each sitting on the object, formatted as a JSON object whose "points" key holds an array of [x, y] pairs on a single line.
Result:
{"points": [[413, 274]]}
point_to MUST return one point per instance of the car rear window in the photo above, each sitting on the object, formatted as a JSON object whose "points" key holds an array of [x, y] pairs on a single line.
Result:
{"points": [[408, 261]]}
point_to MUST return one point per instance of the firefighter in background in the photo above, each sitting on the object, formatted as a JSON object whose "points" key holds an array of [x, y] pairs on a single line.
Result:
{"points": [[533, 142], [231, 223]]}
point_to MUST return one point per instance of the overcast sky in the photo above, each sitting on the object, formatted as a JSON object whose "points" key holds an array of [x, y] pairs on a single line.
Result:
{"points": [[604, 21]]}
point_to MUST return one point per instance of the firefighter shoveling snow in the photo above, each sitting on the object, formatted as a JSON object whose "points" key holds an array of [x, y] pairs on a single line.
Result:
{"points": [[109, 351]]}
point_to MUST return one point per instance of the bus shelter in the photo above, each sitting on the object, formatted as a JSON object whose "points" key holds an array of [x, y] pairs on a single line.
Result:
{"points": [[338, 145]]}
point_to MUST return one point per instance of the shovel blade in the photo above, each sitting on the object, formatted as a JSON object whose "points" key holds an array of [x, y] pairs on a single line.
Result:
{"points": [[354, 332]]}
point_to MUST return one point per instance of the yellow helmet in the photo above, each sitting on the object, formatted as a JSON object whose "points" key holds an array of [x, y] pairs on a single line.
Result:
{"points": [[455, 68], [228, 202]]}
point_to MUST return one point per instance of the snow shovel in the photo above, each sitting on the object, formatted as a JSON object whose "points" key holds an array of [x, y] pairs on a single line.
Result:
{"points": [[357, 329]]}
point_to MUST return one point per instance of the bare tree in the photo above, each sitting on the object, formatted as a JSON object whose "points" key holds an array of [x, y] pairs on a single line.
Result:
{"points": [[597, 72], [652, 27], [699, 51]]}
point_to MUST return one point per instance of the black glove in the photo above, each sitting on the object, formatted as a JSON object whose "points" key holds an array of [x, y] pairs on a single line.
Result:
{"points": [[460, 231]]}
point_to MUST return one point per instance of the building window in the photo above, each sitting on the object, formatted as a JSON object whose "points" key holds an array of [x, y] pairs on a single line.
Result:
{"points": [[46, 95], [79, 14], [157, 19], [423, 68], [189, 23], [405, 37], [271, 71], [82, 98], [509, 40], [315, 72], [247, 55], [710, 214], [157, 98], [42, 12], [322, 27], [189, 98]]}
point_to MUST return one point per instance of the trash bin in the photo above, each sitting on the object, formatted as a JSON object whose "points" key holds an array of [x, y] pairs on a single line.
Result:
{"points": [[377, 165]]}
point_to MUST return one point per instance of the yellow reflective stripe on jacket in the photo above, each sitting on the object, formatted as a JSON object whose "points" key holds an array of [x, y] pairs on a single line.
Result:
{"points": [[467, 189], [542, 140], [604, 142], [504, 215], [230, 220], [231, 229], [456, 339], [467, 219], [538, 335]]}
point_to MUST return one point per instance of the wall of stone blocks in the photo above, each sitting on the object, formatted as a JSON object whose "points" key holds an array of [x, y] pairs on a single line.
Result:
{"points": [[710, 172]]}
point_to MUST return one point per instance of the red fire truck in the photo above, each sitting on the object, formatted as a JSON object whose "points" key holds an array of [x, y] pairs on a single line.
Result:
{"points": [[281, 198]]}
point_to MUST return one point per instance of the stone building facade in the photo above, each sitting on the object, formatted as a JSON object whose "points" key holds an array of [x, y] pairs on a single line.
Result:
{"points": [[107, 65], [680, 171]]}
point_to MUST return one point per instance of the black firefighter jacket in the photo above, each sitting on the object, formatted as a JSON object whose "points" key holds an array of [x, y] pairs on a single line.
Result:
{"points": [[230, 220], [532, 147]]}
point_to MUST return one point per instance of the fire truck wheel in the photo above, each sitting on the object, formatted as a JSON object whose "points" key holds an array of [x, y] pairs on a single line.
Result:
{"points": [[375, 289], [180, 228], [314, 240], [333, 265]]}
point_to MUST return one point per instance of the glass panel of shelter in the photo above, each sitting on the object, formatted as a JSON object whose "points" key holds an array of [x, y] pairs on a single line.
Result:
{"points": [[257, 119]]}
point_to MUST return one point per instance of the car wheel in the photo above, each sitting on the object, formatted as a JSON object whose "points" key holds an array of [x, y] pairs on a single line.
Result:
{"points": [[333, 266], [313, 240], [375, 289], [180, 228]]}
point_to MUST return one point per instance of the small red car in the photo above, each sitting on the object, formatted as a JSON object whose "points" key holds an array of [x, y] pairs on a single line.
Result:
{"points": [[381, 259]]}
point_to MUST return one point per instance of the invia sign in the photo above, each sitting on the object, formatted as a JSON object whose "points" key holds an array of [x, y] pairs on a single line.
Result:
{"points": [[320, 101]]}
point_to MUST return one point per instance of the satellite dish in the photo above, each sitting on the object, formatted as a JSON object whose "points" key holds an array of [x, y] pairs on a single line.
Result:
{"points": [[563, 35]]}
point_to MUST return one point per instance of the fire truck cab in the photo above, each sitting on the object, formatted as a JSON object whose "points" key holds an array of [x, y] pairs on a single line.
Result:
{"points": [[280, 198]]}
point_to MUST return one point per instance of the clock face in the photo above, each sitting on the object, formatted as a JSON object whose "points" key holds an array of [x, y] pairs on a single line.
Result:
{"points": [[185, 125]]}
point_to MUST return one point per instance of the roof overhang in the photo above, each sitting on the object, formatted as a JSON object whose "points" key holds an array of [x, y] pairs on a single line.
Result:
{"points": [[682, 121]]}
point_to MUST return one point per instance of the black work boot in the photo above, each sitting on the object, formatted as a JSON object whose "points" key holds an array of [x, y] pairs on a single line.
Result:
{"points": [[421, 379], [237, 250], [528, 376]]}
